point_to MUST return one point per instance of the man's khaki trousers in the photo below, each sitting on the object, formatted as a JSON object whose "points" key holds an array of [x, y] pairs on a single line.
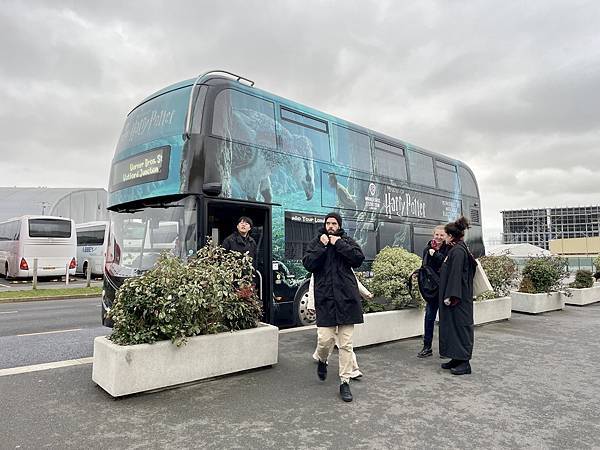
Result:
{"points": [[325, 342]]}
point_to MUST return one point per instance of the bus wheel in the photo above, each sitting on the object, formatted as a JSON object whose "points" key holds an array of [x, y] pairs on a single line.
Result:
{"points": [[301, 313], [6, 275]]}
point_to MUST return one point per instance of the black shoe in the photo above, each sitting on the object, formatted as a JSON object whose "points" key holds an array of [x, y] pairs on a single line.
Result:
{"points": [[345, 392], [451, 364], [425, 352], [462, 369], [322, 370]]}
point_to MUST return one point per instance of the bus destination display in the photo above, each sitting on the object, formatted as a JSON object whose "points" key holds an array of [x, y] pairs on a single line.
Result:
{"points": [[143, 168]]}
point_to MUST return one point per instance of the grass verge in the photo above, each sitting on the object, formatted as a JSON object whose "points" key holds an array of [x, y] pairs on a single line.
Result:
{"points": [[49, 293]]}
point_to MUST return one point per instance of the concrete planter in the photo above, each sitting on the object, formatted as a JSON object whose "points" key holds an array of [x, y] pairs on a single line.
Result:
{"points": [[581, 297], [122, 370], [536, 303], [492, 310], [388, 326]]}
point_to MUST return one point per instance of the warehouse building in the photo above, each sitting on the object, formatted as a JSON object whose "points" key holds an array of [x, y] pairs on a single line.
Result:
{"points": [[79, 204]]}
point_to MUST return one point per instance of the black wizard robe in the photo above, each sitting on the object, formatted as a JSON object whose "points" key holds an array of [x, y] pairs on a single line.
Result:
{"points": [[456, 320]]}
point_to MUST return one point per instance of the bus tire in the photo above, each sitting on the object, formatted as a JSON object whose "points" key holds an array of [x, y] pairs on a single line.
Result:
{"points": [[301, 314], [6, 269]]}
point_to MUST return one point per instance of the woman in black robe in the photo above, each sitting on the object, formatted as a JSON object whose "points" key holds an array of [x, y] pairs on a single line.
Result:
{"points": [[456, 300]]}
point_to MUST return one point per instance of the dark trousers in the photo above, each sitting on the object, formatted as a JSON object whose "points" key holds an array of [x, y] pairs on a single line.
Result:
{"points": [[430, 312]]}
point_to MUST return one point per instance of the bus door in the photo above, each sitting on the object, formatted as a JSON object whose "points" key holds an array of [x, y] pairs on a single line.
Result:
{"points": [[220, 220]]}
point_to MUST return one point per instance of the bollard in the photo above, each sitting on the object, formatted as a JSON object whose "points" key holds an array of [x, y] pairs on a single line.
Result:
{"points": [[88, 275], [35, 265], [67, 275]]}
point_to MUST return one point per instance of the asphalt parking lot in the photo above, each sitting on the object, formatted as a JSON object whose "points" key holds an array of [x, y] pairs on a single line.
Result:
{"points": [[535, 384]]}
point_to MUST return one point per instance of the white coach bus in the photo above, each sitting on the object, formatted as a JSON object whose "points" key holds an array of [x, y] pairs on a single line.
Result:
{"points": [[52, 240], [92, 238]]}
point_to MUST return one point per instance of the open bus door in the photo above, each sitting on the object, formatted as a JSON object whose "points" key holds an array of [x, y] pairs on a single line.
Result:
{"points": [[220, 220]]}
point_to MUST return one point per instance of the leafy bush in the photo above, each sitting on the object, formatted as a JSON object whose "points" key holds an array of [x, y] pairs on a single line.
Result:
{"points": [[212, 293], [502, 273], [543, 274], [597, 262], [391, 269], [583, 279]]}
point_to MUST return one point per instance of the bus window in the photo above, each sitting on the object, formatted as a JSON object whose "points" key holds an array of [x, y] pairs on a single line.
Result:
{"points": [[298, 235], [9, 231], [421, 169], [244, 118], [295, 126], [467, 182], [447, 176], [352, 149], [391, 234], [390, 161], [90, 237], [49, 228]]}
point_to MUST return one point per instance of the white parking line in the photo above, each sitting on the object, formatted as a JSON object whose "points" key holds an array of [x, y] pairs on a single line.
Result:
{"points": [[45, 366], [50, 332], [8, 312]]}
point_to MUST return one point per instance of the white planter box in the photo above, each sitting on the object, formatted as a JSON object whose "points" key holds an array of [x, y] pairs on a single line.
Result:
{"points": [[492, 310], [388, 326], [127, 369], [584, 296], [536, 303]]}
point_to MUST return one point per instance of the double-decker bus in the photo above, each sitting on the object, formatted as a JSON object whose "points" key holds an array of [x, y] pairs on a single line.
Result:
{"points": [[203, 152]]}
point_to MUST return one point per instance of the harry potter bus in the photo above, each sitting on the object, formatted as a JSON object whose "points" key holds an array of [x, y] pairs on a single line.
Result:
{"points": [[195, 156]]}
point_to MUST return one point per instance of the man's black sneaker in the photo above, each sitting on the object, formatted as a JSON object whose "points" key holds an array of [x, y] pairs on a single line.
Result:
{"points": [[425, 352], [451, 364], [322, 370], [345, 392], [462, 369]]}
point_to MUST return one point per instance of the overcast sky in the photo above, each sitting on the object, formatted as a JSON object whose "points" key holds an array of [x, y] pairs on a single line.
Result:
{"points": [[511, 88]]}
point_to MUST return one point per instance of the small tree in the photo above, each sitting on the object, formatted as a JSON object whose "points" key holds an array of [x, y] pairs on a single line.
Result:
{"points": [[543, 274], [175, 300], [391, 269], [597, 263], [502, 273]]}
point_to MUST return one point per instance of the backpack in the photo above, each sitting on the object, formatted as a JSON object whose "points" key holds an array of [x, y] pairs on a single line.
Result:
{"points": [[429, 283]]}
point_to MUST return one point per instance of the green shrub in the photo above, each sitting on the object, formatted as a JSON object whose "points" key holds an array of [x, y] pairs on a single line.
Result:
{"points": [[502, 273], [391, 269], [583, 279], [597, 262], [212, 293], [545, 273], [527, 286], [368, 305]]}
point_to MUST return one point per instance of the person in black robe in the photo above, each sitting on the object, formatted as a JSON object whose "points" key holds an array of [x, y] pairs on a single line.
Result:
{"points": [[456, 301]]}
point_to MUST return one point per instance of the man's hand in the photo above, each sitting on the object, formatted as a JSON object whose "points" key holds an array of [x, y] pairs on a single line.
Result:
{"points": [[324, 239], [333, 239], [431, 252]]}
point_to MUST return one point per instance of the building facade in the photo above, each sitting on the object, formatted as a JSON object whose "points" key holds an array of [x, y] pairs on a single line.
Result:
{"points": [[540, 226]]}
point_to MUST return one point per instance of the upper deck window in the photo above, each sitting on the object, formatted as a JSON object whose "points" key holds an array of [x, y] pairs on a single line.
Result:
{"points": [[303, 135], [9, 231], [245, 118], [421, 169], [467, 182], [352, 149], [163, 116], [390, 160], [447, 176]]}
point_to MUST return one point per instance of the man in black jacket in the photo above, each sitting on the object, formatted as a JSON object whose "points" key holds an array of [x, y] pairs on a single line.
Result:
{"points": [[240, 240], [331, 257]]}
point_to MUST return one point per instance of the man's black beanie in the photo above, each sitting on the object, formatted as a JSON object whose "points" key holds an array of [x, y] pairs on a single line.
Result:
{"points": [[336, 216]]}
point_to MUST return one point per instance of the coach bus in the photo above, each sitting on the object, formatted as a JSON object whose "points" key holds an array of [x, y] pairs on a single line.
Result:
{"points": [[92, 238], [205, 151], [50, 240]]}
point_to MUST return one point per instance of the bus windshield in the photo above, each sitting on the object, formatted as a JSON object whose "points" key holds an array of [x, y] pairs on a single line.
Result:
{"points": [[139, 237]]}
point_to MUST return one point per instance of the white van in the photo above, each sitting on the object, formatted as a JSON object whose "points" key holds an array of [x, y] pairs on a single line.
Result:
{"points": [[92, 238], [52, 240]]}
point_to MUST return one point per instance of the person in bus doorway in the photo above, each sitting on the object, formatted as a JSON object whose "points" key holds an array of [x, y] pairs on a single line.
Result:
{"points": [[240, 240], [456, 300], [330, 257], [433, 257]]}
